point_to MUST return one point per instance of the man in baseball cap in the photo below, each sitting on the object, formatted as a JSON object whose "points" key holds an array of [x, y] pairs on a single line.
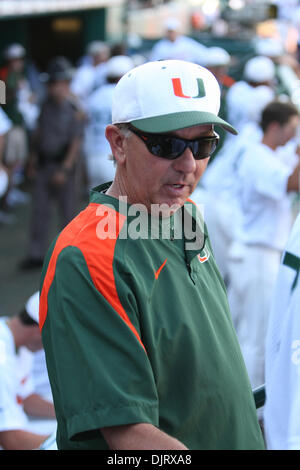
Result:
{"points": [[140, 347], [53, 160], [99, 166], [176, 45], [59, 69], [258, 71]]}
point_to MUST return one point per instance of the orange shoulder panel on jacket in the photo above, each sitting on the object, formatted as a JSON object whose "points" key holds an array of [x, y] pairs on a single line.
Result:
{"points": [[84, 233]]}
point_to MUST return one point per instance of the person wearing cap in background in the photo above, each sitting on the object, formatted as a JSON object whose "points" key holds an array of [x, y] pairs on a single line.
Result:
{"points": [[266, 178], [20, 335], [13, 74], [218, 61], [17, 144], [139, 342], [219, 186], [176, 45], [100, 167], [91, 74], [275, 50], [5, 126], [55, 150], [258, 71]]}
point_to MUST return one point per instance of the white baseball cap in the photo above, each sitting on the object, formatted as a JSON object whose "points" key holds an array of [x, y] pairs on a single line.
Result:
{"points": [[3, 181], [172, 24], [14, 51], [259, 69], [270, 47], [217, 56], [32, 306], [168, 95], [118, 65], [97, 47]]}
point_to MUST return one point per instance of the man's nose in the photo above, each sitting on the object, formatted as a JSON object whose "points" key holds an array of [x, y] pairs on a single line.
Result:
{"points": [[186, 163]]}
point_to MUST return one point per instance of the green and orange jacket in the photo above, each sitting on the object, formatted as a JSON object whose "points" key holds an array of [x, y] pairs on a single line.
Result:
{"points": [[137, 329]]}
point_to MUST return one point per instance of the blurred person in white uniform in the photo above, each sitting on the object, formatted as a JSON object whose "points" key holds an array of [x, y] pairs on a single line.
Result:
{"points": [[282, 407], [269, 47], [19, 337], [218, 61], [175, 45], [100, 167], [5, 126], [219, 188], [259, 70], [265, 180], [19, 74], [19, 99], [91, 74]]}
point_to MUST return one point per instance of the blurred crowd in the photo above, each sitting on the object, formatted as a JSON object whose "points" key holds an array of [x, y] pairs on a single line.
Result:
{"points": [[52, 136]]}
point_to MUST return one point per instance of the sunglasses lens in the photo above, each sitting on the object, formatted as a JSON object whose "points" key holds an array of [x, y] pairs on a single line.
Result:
{"points": [[172, 148], [204, 148], [165, 147]]}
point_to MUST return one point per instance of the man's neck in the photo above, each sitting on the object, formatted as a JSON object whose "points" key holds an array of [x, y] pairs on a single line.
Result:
{"points": [[269, 142]]}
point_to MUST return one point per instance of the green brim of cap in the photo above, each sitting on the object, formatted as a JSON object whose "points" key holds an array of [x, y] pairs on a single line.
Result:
{"points": [[182, 120]]}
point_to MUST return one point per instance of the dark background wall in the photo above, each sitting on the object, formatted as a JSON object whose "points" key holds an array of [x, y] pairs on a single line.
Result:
{"points": [[49, 35]]}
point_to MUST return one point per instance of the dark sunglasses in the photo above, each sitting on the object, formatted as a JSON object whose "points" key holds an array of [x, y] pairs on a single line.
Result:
{"points": [[171, 147]]}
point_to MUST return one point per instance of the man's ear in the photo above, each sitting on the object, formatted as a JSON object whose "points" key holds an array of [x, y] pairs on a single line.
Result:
{"points": [[117, 142]]}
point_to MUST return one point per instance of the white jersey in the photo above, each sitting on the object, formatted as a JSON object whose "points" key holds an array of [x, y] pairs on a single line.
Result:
{"points": [[87, 78], [282, 408], [244, 103], [5, 122], [100, 169], [266, 206], [183, 48], [40, 375], [98, 108], [220, 176], [237, 97], [15, 381]]}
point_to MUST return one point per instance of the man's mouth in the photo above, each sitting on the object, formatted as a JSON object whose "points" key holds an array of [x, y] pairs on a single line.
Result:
{"points": [[177, 188]]}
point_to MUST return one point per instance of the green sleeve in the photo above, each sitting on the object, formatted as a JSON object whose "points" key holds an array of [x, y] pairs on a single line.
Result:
{"points": [[100, 373]]}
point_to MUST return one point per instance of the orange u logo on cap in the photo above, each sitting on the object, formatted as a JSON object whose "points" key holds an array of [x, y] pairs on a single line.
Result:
{"points": [[177, 87]]}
